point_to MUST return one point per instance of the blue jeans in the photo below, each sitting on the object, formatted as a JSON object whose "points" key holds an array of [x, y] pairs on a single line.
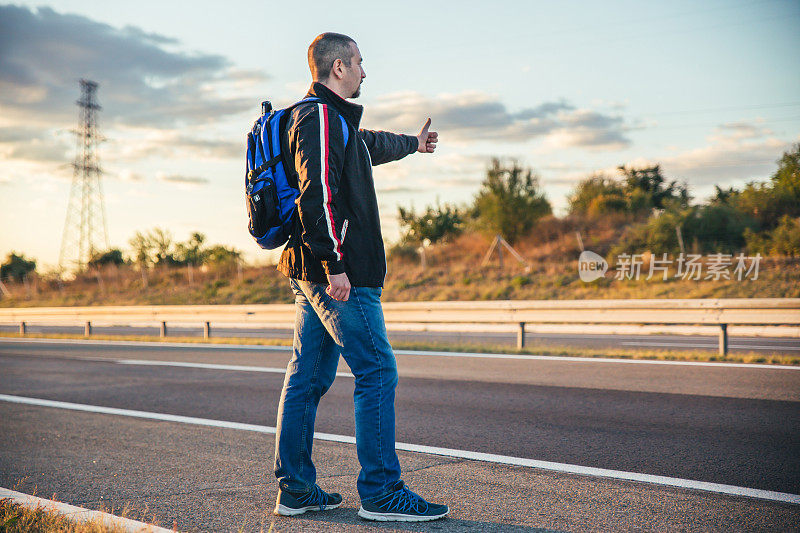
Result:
{"points": [[324, 328]]}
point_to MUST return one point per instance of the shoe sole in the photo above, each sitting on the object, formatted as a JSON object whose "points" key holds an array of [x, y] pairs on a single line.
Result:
{"points": [[282, 510], [397, 517]]}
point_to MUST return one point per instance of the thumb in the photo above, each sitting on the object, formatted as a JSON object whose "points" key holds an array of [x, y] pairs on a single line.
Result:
{"points": [[426, 126]]}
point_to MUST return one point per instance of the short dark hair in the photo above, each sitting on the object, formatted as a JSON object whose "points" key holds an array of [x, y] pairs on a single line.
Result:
{"points": [[324, 50]]}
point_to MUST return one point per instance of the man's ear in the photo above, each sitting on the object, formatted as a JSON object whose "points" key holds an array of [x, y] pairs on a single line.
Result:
{"points": [[337, 69]]}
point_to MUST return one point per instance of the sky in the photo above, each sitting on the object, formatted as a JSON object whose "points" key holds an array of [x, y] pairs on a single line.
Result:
{"points": [[709, 90]]}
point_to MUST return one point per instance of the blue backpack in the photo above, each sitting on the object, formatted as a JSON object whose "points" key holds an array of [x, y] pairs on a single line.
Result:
{"points": [[269, 192]]}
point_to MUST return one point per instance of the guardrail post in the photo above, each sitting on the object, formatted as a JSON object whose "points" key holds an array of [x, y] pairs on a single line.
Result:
{"points": [[23, 329], [206, 330], [87, 329], [723, 340], [163, 330], [521, 336]]}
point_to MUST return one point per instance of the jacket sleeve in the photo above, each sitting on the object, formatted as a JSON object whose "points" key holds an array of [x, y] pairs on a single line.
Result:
{"points": [[385, 147], [317, 142]]}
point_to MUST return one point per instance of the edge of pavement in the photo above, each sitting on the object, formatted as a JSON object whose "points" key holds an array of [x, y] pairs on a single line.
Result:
{"points": [[80, 514]]}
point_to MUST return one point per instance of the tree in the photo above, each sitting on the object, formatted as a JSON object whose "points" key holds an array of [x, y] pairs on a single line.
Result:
{"points": [[723, 196], [596, 196], [219, 254], [16, 267], [647, 188], [142, 249], [154, 247], [783, 240], [109, 257], [191, 252], [787, 178], [162, 246], [638, 192], [510, 201], [435, 224]]}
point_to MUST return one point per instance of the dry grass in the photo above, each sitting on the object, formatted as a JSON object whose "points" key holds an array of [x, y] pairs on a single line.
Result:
{"points": [[15, 518], [453, 272]]}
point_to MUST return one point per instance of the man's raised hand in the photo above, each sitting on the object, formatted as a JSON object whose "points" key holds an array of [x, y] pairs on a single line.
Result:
{"points": [[427, 139]]}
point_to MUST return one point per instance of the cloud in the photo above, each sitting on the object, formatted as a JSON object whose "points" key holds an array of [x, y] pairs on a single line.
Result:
{"points": [[735, 153], [187, 180], [396, 189], [32, 144], [474, 116], [39, 150], [139, 144], [43, 53], [733, 131], [156, 100], [130, 176]]}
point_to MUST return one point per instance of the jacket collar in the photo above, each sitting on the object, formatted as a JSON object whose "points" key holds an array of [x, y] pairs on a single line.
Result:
{"points": [[350, 111]]}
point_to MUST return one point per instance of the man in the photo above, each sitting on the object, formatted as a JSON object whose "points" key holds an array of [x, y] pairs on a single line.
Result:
{"points": [[336, 264]]}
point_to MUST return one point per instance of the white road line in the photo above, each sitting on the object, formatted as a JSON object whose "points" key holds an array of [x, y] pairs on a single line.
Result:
{"points": [[565, 359], [243, 368], [446, 452], [79, 514]]}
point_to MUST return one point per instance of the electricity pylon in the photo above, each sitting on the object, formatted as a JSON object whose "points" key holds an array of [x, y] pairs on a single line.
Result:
{"points": [[85, 231]]}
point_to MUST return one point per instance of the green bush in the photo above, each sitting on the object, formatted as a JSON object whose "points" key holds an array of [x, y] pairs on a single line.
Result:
{"points": [[16, 267], [638, 192], [783, 240], [404, 252], [110, 257], [710, 228], [510, 201], [520, 281], [435, 224]]}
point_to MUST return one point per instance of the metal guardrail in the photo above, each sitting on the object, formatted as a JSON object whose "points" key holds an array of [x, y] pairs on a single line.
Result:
{"points": [[717, 311]]}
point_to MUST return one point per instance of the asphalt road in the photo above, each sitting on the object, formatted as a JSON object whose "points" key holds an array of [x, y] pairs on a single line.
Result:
{"points": [[721, 424], [765, 345]]}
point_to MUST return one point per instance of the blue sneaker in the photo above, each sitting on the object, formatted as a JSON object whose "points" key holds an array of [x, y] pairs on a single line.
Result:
{"points": [[316, 499], [400, 505]]}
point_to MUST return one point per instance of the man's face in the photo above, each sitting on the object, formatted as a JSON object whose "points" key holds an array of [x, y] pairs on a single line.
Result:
{"points": [[354, 74]]}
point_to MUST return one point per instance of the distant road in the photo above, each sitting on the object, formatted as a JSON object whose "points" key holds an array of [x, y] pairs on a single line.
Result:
{"points": [[721, 424], [766, 345]]}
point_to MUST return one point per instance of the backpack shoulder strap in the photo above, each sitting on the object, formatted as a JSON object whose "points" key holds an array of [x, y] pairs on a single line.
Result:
{"points": [[345, 130], [285, 138]]}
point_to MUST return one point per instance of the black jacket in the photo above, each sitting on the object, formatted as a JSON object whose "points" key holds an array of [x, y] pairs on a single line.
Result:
{"points": [[337, 227]]}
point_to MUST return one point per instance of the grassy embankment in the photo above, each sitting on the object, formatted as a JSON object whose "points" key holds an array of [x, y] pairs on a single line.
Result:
{"points": [[453, 272]]}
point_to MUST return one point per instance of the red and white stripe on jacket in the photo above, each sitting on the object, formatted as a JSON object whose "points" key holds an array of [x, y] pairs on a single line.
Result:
{"points": [[326, 189]]}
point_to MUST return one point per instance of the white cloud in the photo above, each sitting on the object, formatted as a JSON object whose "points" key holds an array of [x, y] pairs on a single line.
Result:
{"points": [[475, 116], [735, 153], [182, 180], [43, 52], [130, 176]]}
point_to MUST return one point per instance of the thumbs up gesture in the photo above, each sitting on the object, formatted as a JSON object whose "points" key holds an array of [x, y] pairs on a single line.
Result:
{"points": [[427, 139]]}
